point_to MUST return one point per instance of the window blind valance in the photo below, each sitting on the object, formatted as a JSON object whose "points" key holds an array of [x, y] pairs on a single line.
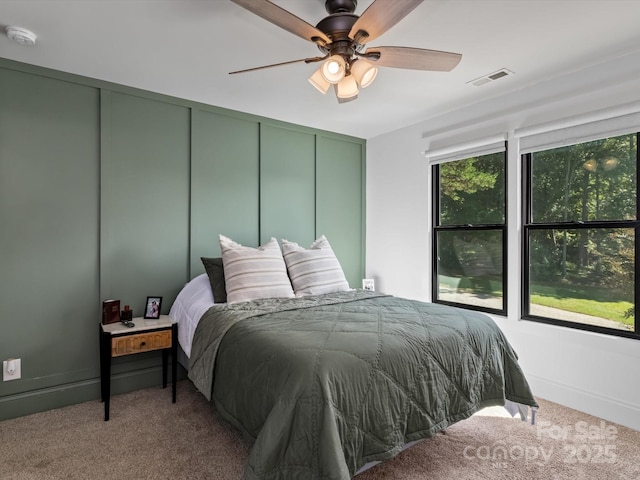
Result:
{"points": [[476, 148], [620, 120]]}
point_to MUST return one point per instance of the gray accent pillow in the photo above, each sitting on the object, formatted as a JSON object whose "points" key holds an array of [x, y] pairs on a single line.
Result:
{"points": [[314, 271], [215, 271], [252, 273]]}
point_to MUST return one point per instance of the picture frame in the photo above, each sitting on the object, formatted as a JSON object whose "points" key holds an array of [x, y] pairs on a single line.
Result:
{"points": [[152, 308], [368, 284]]}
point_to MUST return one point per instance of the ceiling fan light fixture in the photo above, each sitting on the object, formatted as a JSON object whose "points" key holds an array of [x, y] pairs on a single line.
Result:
{"points": [[341, 37], [364, 72], [347, 88], [334, 69], [343, 100], [318, 81]]}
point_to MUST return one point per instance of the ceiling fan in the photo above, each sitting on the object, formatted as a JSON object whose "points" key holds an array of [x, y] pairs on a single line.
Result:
{"points": [[341, 38]]}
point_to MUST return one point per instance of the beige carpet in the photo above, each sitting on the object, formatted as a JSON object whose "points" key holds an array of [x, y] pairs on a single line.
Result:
{"points": [[148, 437]]}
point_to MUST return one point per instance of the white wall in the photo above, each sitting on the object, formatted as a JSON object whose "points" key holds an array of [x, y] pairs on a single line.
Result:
{"points": [[595, 373]]}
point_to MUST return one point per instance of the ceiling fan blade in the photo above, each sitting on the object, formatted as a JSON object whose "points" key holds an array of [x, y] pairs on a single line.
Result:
{"points": [[380, 17], [305, 60], [413, 58], [284, 19]]}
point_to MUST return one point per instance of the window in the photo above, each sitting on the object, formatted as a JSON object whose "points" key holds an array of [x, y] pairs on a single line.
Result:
{"points": [[469, 243], [581, 235]]}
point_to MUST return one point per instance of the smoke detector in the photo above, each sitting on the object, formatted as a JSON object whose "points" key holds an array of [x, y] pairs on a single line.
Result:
{"points": [[22, 36]]}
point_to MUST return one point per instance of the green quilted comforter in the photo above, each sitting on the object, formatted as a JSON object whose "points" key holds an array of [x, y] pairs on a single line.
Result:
{"points": [[328, 383]]}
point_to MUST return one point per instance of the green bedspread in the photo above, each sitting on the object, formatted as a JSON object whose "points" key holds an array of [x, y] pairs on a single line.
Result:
{"points": [[326, 384]]}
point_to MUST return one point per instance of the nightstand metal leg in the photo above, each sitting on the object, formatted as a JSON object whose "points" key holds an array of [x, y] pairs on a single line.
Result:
{"points": [[105, 371], [174, 359], [101, 343], [165, 356]]}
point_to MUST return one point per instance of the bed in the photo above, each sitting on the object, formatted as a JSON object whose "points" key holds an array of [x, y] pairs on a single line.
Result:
{"points": [[326, 384]]}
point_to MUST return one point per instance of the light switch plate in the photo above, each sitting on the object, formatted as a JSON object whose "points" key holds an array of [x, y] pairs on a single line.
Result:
{"points": [[17, 372]]}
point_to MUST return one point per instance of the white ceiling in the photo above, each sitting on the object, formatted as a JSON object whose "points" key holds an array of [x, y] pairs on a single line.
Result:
{"points": [[186, 48]]}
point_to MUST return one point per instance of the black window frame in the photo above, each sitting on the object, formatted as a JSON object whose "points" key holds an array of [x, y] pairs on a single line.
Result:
{"points": [[437, 227], [528, 227]]}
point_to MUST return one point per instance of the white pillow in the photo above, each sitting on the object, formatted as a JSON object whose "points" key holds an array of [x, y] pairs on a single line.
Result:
{"points": [[314, 271], [252, 273], [189, 306]]}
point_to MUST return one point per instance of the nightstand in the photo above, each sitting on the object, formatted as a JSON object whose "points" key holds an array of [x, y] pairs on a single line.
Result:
{"points": [[117, 340]]}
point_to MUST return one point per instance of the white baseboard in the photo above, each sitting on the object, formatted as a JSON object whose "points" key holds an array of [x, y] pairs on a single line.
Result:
{"points": [[602, 406]]}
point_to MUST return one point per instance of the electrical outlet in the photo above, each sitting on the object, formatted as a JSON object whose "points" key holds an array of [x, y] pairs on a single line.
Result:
{"points": [[11, 369]]}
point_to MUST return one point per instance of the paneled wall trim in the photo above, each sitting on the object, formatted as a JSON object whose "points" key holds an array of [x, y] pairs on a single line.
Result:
{"points": [[108, 191]]}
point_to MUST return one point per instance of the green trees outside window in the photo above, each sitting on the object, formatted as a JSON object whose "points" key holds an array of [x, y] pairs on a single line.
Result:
{"points": [[581, 235], [470, 233]]}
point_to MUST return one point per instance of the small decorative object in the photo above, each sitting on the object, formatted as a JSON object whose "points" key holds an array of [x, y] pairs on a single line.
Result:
{"points": [[126, 315], [368, 284], [110, 311], [152, 310]]}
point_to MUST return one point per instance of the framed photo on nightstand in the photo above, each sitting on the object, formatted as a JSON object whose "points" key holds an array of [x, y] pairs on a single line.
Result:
{"points": [[152, 308]]}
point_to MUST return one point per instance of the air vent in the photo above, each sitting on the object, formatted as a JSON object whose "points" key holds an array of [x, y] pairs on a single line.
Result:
{"points": [[504, 72]]}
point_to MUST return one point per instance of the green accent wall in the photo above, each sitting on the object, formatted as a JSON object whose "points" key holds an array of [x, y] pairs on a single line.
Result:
{"points": [[287, 185], [112, 192], [144, 199], [49, 224], [225, 181], [340, 202]]}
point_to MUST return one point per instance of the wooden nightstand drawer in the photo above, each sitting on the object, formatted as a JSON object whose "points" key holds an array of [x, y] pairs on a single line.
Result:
{"points": [[141, 342]]}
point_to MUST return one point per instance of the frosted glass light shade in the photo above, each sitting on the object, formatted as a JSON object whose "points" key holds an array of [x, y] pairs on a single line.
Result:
{"points": [[364, 72], [343, 100], [333, 69], [318, 81], [347, 87]]}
